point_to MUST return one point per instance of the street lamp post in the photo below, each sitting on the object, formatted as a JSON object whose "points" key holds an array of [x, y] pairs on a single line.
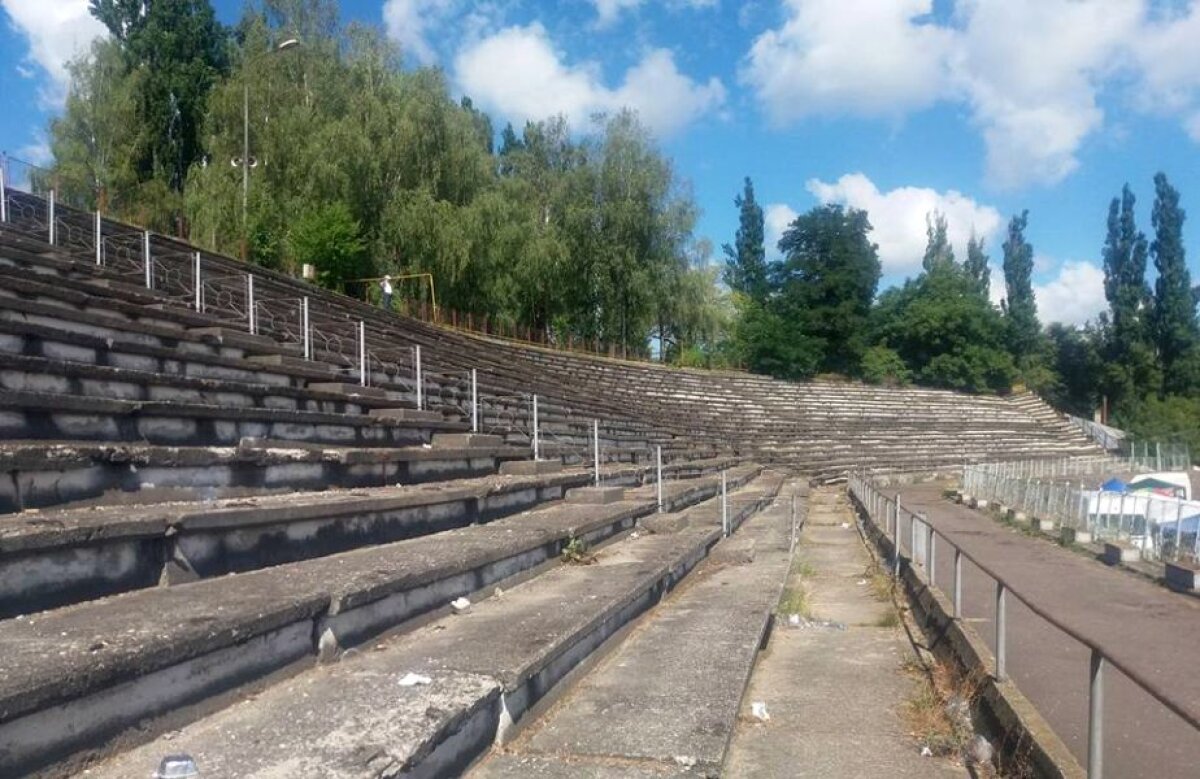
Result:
{"points": [[245, 161]]}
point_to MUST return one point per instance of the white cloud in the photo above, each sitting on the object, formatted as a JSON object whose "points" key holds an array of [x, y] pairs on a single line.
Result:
{"points": [[864, 57], [776, 218], [1074, 296], [57, 31], [898, 217], [608, 11], [518, 73], [410, 23], [1029, 71]]}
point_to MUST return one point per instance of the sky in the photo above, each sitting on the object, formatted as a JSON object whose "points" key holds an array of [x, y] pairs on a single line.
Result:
{"points": [[978, 109]]}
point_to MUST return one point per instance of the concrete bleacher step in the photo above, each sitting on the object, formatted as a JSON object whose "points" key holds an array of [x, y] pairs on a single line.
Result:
{"points": [[75, 677], [668, 697], [38, 415], [466, 440], [486, 669], [53, 558], [38, 475]]}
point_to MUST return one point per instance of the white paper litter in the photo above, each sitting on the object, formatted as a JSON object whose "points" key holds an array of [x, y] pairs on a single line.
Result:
{"points": [[759, 710], [411, 679], [460, 605]]}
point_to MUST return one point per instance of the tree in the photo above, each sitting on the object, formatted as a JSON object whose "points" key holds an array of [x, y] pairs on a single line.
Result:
{"points": [[946, 333], [1129, 368], [1020, 306], [1175, 330], [976, 266], [938, 250], [178, 47], [826, 282], [328, 237], [746, 260], [1077, 364]]}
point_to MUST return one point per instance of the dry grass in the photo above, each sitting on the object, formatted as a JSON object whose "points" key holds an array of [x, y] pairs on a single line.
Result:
{"points": [[937, 713], [795, 601]]}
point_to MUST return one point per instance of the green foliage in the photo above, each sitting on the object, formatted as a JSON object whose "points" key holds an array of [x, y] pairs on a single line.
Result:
{"points": [[1077, 364], [766, 342], [938, 251], [177, 49], [946, 332], [1172, 418], [1128, 349], [1175, 328], [746, 260], [882, 365], [1020, 307], [976, 266], [328, 237], [826, 282]]}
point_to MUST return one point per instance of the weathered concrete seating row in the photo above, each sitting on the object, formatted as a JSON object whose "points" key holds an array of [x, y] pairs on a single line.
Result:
{"points": [[485, 671], [76, 676], [232, 345], [56, 557]]}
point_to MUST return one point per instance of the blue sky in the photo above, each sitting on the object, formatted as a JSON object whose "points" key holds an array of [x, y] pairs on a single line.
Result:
{"points": [[977, 108]]}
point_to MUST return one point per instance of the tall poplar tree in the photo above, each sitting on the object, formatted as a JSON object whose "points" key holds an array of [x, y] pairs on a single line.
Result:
{"points": [[1175, 329], [1129, 351], [938, 251], [976, 265], [1020, 307], [746, 260]]}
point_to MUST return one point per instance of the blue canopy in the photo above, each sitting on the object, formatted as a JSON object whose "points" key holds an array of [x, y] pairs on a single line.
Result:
{"points": [[1113, 485]]}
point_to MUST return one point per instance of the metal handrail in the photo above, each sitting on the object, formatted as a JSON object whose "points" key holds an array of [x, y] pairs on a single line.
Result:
{"points": [[876, 496]]}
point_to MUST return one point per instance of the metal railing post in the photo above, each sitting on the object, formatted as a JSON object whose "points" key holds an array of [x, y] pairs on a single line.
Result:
{"points": [[930, 556], [147, 260], [50, 211], [474, 401], [724, 506], [251, 306], [658, 476], [3, 189], [536, 446], [362, 353], [418, 378], [1178, 527], [99, 239], [306, 328], [1095, 762], [896, 555], [596, 449], [196, 280], [1001, 628], [957, 583]]}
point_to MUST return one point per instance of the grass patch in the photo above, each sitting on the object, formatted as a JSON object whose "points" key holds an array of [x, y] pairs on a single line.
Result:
{"points": [[938, 712], [795, 601], [881, 583], [576, 553], [890, 619], [802, 568]]}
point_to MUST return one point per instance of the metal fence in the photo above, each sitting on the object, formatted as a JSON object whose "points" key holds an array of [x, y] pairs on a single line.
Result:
{"points": [[914, 544], [1160, 527]]}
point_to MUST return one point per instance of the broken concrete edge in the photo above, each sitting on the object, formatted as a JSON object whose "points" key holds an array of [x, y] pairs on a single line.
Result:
{"points": [[1022, 726]]}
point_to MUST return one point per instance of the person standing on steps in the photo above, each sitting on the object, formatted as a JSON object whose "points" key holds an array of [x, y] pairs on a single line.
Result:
{"points": [[386, 286]]}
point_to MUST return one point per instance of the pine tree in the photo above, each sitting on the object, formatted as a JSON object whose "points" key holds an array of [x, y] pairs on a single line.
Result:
{"points": [[1020, 306], [938, 251], [746, 260], [976, 266], [1175, 329]]}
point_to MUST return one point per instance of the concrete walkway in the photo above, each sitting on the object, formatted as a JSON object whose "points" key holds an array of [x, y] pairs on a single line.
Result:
{"points": [[833, 694], [1155, 631]]}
